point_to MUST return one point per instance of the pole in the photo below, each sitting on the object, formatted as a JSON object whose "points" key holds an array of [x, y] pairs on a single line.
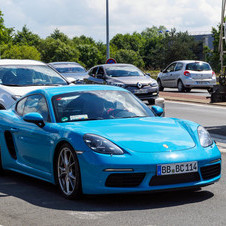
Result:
{"points": [[107, 30]]}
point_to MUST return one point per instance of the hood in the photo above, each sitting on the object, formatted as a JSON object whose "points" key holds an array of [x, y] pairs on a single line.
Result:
{"points": [[21, 90], [147, 135], [132, 80]]}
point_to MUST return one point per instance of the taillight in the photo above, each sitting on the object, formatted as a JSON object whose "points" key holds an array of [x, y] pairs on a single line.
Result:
{"points": [[186, 73], [213, 74]]}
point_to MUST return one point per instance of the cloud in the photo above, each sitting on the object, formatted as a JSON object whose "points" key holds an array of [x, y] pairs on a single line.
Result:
{"points": [[77, 17]]}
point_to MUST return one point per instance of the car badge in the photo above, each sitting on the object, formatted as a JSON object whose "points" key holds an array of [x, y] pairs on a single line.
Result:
{"points": [[139, 85], [165, 146]]}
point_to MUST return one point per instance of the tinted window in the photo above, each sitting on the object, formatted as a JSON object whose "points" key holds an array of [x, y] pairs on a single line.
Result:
{"points": [[93, 71], [37, 103], [178, 67], [170, 68], [97, 105], [123, 71], [30, 75], [198, 66]]}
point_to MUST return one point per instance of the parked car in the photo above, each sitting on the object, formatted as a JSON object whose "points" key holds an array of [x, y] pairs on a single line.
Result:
{"points": [[103, 140], [18, 77], [127, 76], [186, 75], [71, 70]]}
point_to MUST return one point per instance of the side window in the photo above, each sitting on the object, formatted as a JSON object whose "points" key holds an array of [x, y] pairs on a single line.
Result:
{"points": [[178, 67], [20, 106], [101, 71], [93, 71], [37, 103], [170, 68]]}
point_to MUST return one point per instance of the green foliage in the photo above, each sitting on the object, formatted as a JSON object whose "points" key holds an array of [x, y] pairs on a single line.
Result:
{"points": [[57, 35], [129, 57], [89, 55], [56, 50], [26, 37], [5, 33], [20, 52]]}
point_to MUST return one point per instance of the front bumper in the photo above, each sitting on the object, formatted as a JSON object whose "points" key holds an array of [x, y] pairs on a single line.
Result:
{"points": [[105, 174], [144, 93]]}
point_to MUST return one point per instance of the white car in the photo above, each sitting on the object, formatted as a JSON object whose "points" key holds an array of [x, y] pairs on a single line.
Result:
{"points": [[186, 75], [18, 77]]}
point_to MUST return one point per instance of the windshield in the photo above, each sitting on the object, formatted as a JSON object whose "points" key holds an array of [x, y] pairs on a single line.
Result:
{"points": [[198, 66], [123, 71], [29, 75], [70, 69], [97, 105]]}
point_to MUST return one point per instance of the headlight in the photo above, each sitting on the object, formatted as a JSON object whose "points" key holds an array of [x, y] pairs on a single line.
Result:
{"points": [[102, 145], [204, 137], [154, 84]]}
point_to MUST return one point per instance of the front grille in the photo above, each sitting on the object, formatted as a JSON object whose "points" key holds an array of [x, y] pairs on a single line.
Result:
{"points": [[209, 172], [124, 179], [174, 179]]}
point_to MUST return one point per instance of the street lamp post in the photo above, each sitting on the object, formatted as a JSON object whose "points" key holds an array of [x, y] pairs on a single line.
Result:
{"points": [[107, 30]]}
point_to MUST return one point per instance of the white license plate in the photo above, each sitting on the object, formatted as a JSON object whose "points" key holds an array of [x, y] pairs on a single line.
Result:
{"points": [[202, 83], [177, 168], [141, 91]]}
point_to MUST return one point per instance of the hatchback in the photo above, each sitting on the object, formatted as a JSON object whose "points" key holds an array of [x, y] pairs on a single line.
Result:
{"points": [[186, 75]]}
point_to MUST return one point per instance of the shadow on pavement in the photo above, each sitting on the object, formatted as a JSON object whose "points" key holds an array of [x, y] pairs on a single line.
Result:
{"points": [[219, 130], [46, 195]]}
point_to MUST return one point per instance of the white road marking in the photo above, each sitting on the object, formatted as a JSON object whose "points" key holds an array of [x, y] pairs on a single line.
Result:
{"points": [[85, 215]]}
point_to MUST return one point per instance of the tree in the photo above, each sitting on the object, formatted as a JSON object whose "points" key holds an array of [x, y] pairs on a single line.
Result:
{"points": [[26, 37], [57, 35], [56, 50], [21, 52], [5, 33], [129, 57]]}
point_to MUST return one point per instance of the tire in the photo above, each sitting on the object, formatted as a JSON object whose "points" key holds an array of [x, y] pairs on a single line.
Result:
{"points": [[67, 172], [151, 101], [161, 88], [210, 90], [188, 90], [180, 86]]}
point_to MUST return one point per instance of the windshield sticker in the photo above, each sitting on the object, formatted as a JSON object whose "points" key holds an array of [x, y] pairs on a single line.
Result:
{"points": [[64, 119], [77, 117]]}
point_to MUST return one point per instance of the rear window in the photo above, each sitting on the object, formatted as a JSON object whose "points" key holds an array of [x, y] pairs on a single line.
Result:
{"points": [[198, 66]]}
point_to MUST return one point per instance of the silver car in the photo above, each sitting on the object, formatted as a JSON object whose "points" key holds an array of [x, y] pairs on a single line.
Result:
{"points": [[18, 77], [186, 75]]}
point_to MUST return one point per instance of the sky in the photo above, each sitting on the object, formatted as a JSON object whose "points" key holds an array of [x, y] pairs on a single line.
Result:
{"points": [[88, 17]]}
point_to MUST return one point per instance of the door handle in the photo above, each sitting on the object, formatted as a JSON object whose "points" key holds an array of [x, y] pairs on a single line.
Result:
{"points": [[14, 130]]}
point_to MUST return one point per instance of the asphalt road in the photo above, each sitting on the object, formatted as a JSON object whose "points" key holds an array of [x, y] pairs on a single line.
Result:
{"points": [[27, 201], [213, 118], [198, 92]]}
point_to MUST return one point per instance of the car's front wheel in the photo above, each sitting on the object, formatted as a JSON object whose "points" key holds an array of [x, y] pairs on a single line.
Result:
{"points": [[68, 172]]}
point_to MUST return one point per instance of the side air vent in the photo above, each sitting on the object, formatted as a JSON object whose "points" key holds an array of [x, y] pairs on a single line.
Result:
{"points": [[10, 144]]}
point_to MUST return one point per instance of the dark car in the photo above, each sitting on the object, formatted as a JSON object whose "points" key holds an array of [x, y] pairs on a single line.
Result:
{"points": [[70, 70], [127, 76]]}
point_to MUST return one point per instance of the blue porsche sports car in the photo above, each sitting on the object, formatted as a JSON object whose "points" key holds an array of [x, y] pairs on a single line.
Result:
{"points": [[95, 139]]}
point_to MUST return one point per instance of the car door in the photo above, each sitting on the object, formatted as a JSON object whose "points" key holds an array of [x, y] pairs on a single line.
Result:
{"points": [[176, 74], [33, 144], [168, 75]]}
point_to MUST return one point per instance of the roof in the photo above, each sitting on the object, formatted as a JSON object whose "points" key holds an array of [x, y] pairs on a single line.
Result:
{"points": [[114, 65], [20, 62], [190, 61], [57, 90], [63, 63]]}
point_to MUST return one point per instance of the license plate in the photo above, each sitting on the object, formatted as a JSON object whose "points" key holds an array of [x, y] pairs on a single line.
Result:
{"points": [[177, 168], [202, 83], [141, 91]]}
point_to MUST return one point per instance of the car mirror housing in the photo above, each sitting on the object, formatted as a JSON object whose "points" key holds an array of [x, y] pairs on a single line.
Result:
{"points": [[35, 118], [157, 110]]}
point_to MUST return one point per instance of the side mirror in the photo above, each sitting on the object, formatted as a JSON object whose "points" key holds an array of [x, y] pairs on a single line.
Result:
{"points": [[34, 117], [157, 110]]}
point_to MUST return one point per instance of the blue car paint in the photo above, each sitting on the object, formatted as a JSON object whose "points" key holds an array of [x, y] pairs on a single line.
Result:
{"points": [[141, 139]]}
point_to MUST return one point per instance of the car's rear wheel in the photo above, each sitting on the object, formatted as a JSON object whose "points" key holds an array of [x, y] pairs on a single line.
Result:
{"points": [[68, 172], [161, 88], [180, 86], [188, 90]]}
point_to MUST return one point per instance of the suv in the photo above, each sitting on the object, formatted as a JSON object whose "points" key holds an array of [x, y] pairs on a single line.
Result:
{"points": [[186, 75], [18, 77], [127, 76]]}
